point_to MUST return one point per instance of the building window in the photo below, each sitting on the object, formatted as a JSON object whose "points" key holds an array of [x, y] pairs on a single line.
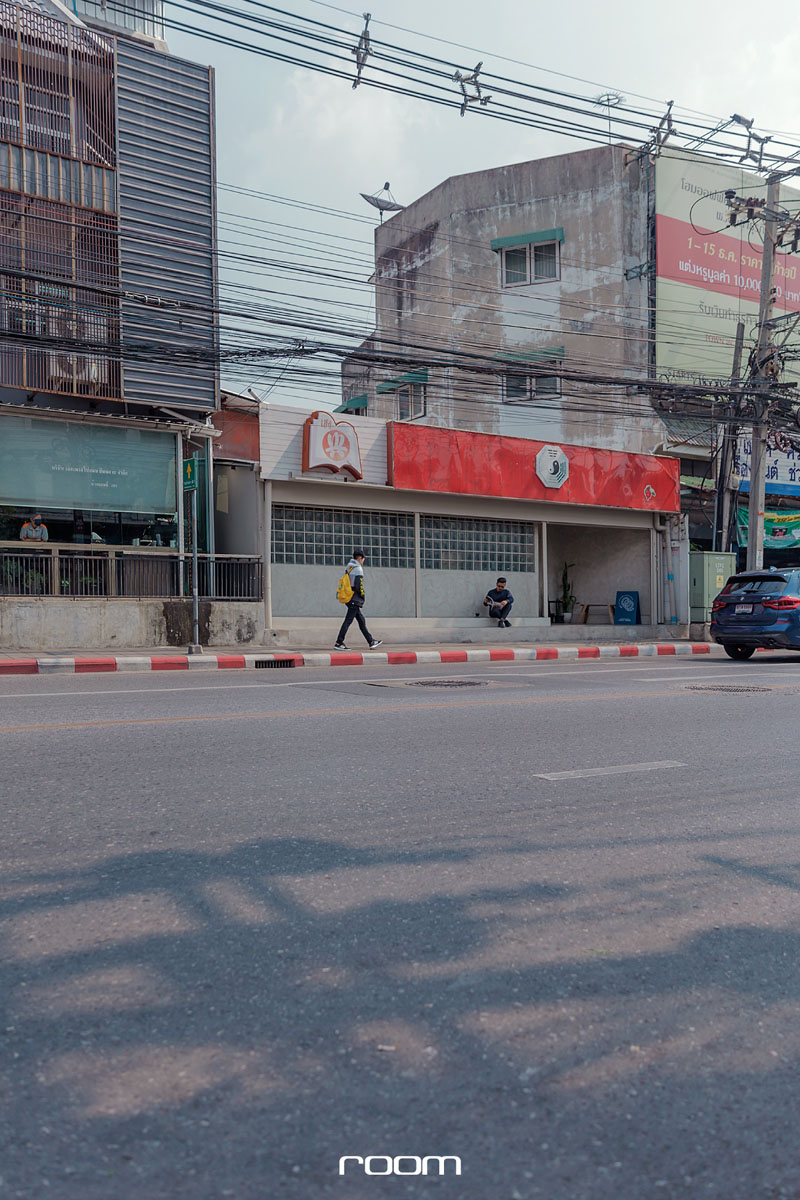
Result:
{"points": [[143, 16], [328, 536], [57, 92], [523, 384], [54, 250], [54, 178], [466, 544], [537, 263], [47, 119], [515, 266], [411, 401]]}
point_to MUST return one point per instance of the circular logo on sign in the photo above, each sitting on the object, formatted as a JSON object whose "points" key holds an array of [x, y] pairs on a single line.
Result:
{"points": [[626, 602], [552, 466], [649, 493], [336, 445]]}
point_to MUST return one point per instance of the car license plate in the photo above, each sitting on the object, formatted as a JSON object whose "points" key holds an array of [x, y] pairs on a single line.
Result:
{"points": [[743, 608]]}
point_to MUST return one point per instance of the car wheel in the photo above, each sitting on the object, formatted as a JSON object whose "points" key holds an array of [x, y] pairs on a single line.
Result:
{"points": [[739, 652]]}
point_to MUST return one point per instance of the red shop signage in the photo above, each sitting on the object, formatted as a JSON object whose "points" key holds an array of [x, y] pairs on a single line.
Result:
{"points": [[426, 459]]}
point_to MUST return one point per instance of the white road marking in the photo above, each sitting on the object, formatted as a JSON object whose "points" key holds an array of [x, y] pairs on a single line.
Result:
{"points": [[584, 774]]}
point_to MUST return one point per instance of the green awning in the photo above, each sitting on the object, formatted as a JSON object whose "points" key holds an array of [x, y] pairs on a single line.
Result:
{"points": [[353, 404], [527, 239], [522, 357], [391, 385]]}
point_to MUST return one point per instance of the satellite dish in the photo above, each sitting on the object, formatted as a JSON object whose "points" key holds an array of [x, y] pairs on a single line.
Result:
{"points": [[384, 203]]}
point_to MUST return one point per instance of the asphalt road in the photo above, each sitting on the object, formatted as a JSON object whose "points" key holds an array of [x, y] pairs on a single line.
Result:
{"points": [[546, 922]]}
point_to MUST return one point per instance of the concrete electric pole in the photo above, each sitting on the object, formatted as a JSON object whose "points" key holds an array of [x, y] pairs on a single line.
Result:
{"points": [[763, 376], [724, 499]]}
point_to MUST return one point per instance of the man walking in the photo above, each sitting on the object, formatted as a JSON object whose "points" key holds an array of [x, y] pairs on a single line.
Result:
{"points": [[499, 601], [355, 569]]}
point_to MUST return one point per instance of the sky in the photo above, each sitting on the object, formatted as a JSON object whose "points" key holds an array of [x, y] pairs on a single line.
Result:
{"points": [[287, 131]]}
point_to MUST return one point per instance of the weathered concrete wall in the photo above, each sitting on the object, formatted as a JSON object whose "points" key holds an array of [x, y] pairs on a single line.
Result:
{"points": [[311, 592], [439, 283], [605, 561], [60, 624], [460, 593]]}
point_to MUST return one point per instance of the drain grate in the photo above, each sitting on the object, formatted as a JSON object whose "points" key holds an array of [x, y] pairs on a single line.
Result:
{"points": [[448, 683], [723, 687], [276, 662]]}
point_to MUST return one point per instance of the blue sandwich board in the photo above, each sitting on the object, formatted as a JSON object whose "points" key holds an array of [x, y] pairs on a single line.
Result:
{"points": [[626, 610]]}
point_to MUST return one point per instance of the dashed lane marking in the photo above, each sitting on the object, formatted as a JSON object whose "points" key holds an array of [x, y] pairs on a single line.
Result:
{"points": [[621, 770]]}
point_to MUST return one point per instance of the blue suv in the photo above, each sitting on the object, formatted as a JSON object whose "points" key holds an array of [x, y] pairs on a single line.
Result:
{"points": [[758, 609]]}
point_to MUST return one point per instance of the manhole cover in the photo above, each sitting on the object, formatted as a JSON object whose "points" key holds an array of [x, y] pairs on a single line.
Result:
{"points": [[447, 683], [724, 687]]}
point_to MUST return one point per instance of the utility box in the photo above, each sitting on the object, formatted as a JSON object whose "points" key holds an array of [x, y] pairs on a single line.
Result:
{"points": [[708, 573]]}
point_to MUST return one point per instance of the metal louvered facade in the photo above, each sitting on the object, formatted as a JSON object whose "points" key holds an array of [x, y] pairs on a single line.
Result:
{"points": [[167, 214]]}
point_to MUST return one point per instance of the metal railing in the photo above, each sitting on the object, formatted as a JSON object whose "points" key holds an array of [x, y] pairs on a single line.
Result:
{"points": [[26, 574], [62, 570]]}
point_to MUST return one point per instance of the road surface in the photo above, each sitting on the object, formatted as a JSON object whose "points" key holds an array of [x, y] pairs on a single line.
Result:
{"points": [[543, 919]]}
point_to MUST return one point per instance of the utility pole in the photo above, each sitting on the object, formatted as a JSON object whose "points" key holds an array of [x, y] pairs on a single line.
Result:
{"points": [[763, 373], [723, 502]]}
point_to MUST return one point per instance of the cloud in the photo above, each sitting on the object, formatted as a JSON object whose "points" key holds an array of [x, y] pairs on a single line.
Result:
{"points": [[336, 137]]}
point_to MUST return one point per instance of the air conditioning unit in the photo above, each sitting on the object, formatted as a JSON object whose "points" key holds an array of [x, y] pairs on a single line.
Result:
{"points": [[60, 364], [92, 370], [59, 324], [59, 368]]}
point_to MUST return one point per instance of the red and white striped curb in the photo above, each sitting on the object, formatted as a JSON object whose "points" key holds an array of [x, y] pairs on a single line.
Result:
{"points": [[213, 662]]}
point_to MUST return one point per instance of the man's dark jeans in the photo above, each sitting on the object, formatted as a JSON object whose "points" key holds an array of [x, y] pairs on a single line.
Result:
{"points": [[354, 613], [500, 614]]}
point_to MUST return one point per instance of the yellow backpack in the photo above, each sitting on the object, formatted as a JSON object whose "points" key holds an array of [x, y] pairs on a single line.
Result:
{"points": [[344, 590]]}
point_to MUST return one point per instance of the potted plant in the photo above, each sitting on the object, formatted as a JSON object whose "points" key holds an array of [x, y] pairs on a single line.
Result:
{"points": [[567, 599]]}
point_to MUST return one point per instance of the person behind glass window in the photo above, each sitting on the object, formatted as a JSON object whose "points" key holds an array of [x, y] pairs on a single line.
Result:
{"points": [[34, 530]]}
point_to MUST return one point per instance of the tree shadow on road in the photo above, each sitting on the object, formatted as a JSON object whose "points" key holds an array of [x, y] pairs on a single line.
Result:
{"points": [[194, 1025]]}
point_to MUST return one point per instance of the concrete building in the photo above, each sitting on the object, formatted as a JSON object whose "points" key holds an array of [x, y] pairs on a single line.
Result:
{"points": [[418, 500], [495, 286], [500, 293], [108, 309]]}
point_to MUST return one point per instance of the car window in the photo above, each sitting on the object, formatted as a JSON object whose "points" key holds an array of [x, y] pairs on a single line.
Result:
{"points": [[765, 585]]}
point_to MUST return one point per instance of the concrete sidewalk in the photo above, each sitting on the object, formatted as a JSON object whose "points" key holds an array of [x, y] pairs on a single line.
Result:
{"points": [[46, 662]]}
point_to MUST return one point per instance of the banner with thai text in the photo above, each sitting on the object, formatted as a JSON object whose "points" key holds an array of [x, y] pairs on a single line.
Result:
{"points": [[781, 529], [708, 273]]}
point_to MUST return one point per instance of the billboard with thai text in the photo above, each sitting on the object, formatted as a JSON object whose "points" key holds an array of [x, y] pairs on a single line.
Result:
{"points": [[708, 273]]}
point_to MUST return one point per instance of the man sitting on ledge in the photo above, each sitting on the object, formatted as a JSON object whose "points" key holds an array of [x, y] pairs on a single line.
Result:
{"points": [[499, 601]]}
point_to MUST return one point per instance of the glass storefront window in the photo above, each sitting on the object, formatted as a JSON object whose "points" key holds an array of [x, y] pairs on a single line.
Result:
{"points": [[66, 466], [82, 527]]}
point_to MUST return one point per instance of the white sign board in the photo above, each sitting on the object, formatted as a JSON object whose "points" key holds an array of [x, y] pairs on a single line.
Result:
{"points": [[782, 469]]}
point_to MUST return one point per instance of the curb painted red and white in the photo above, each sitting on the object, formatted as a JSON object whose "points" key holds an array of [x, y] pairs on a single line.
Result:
{"points": [[224, 662]]}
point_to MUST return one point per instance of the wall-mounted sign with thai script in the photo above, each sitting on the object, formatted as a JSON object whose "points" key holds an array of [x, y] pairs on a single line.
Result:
{"points": [[782, 467], [332, 445], [708, 272]]}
